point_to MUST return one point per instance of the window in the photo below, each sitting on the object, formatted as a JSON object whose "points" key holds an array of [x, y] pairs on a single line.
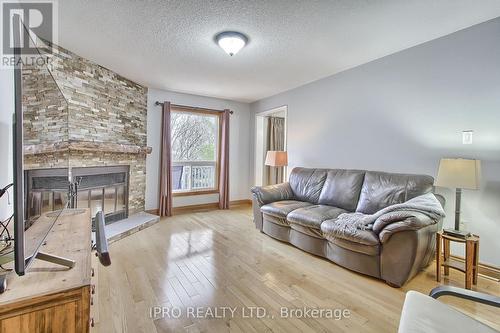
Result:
{"points": [[195, 151]]}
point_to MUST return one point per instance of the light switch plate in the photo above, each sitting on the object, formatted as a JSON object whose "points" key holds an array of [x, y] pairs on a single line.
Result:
{"points": [[467, 137]]}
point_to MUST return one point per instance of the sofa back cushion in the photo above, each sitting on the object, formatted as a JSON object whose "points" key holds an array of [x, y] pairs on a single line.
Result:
{"points": [[342, 189], [381, 189], [307, 183]]}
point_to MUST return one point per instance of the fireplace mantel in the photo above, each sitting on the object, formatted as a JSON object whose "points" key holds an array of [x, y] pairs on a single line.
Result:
{"points": [[37, 149]]}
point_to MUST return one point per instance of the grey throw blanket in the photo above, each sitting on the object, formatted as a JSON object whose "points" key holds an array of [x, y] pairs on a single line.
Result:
{"points": [[426, 204]]}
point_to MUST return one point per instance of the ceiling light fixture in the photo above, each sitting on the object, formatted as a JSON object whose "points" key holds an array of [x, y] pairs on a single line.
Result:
{"points": [[231, 41]]}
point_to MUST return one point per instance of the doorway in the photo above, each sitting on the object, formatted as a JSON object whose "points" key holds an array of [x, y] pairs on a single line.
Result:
{"points": [[270, 134]]}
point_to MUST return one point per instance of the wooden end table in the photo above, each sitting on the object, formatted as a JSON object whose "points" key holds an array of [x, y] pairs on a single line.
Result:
{"points": [[469, 267]]}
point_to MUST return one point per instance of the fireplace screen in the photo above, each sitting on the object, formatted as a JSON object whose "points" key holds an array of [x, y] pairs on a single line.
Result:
{"points": [[99, 188]]}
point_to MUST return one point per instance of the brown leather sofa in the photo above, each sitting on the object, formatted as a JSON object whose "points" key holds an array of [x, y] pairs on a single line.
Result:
{"points": [[302, 210]]}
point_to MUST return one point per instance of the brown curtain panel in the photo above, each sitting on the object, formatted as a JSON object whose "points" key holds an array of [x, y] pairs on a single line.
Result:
{"points": [[224, 162], [275, 141], [165, 205]]}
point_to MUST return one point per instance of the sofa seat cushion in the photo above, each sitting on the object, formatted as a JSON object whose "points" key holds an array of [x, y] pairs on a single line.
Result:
{"points": [[362, 241], [312, 216], [312, 232], [276, 220], [371, 250], [282, 208]]}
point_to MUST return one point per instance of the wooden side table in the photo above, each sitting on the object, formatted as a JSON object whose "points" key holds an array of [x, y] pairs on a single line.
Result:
{"points": [[469, 267]]}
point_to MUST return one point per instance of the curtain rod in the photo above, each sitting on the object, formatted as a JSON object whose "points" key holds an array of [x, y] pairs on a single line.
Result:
{"points": [[191, 107]]}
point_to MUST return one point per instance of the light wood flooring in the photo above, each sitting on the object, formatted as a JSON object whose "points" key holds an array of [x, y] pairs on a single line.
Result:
{"points": [[218, 259]]}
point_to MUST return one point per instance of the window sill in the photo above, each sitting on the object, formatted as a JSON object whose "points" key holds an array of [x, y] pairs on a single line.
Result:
{"points": [[192, 193]]}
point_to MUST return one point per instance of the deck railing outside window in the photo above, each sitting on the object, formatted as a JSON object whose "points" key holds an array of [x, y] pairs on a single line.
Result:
{"points": [[193, 176]]}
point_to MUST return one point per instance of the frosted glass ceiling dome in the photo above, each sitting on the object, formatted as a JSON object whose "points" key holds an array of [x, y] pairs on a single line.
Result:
{"points": [[231, 41]]}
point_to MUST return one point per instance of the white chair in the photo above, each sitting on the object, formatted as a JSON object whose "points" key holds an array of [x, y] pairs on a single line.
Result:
{"points": [[422, 313]]}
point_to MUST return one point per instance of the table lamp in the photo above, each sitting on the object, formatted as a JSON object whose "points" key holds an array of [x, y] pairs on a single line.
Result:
{"points": [[460, 174]]}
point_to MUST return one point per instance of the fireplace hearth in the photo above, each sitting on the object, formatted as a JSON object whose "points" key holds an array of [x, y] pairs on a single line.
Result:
{"points": [[99, 188]]}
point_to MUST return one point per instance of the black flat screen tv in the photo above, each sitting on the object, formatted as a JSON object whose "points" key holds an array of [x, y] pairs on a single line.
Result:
{"points": [[28, 235]]}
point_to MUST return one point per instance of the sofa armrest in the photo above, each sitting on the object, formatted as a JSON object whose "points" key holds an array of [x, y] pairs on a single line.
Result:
{"points": [[465, 294], [272, 193], [391, 223], [406, 252], [262, 195]]}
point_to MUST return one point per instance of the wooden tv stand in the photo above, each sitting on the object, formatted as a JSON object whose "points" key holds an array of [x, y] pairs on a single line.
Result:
{"points": [[53, 298]]}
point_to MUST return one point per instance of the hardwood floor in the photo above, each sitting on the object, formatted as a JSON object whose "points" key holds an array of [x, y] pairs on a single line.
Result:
{"points": [[218, 259]]}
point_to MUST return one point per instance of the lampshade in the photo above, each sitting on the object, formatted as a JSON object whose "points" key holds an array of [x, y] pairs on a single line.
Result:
{"points": [[276, 158], [459, 173]]}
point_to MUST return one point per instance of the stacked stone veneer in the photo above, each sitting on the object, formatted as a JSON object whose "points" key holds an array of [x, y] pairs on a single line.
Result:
{"points": [[75, 100], [45, 110]]}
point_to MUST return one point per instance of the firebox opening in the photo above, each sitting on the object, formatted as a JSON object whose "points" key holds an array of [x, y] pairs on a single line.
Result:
{"points": [[100, 188]]}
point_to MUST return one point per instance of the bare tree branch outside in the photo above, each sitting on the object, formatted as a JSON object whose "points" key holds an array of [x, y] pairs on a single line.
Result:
{"points": [[194, 137]]}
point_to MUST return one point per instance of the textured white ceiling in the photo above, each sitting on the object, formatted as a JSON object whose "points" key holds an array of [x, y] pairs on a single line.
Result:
{"points": [[169, 44]]}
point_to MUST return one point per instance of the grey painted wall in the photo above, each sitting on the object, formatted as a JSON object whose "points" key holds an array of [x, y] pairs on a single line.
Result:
{"points": [[6, 112], [239, 150], [404, 112]]}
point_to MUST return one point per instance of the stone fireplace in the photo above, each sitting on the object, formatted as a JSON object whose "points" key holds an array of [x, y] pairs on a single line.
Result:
{"points": [[82, 117]]}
